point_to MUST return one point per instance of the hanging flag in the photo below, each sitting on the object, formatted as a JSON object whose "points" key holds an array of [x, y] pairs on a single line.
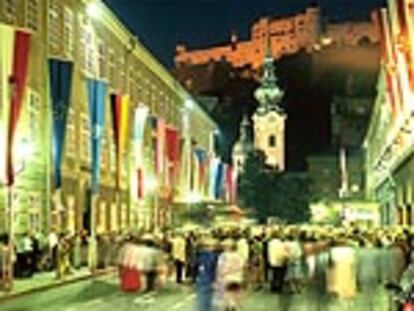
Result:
{"points": [[344, 173], [6, 61], [173, 154], [160, 147], [229, 183], [214, 162], [218, 181], [119, 110], [140, 183], [185, 166], [17, 86], [60, 75], [153, 125], [235, 187], [206, 186], [201, 156], [96, 102], [140, 118]]}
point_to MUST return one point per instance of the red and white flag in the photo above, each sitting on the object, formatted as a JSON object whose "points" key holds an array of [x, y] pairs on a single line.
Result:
{"points": [[14, 64]]}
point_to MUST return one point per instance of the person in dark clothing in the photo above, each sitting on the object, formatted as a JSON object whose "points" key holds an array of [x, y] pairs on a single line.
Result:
{"points": [[191, 257], [266, 265], [205, 264], [35, 255]]}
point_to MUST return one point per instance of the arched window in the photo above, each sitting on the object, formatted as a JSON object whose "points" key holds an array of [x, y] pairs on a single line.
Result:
{"points": [[272, 141]]}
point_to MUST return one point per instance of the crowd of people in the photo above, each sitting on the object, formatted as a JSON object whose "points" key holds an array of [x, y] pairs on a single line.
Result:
{"points": [[222, 264], [59, 253]]}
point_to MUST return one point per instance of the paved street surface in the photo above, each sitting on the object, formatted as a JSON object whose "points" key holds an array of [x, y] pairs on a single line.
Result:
{"points": [[103, 295]]}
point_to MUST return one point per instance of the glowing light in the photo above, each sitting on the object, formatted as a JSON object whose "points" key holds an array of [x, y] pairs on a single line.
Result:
{"points": [[193, 197], [189, 104], [93, 10], [151, 184], [24, 150]]}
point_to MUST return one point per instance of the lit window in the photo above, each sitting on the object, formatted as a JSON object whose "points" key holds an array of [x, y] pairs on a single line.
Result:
{"points": [[112, 155], [85, 140], [34, 115], [70, 143], [122, 79], [9, 7], [87, 48], [32, 14], [54, 26], [272, 141], [104, 153], [68, 32], [111, 59], [34, 215], [101, 60]]}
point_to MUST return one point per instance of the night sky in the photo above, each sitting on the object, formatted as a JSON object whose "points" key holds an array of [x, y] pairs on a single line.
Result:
{"points": [[161, 24]]}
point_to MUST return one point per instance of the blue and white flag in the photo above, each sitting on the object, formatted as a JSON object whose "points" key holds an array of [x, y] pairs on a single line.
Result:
{"points": [[218, 181], [60, 74], [96, 101]]}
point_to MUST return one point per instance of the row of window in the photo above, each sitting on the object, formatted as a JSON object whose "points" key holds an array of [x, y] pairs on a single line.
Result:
{"points": [[99, 60], [96, 59], [31, 12]]}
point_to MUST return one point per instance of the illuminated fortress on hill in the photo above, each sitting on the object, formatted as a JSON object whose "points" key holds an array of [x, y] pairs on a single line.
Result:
{"points": [[287, 35]]}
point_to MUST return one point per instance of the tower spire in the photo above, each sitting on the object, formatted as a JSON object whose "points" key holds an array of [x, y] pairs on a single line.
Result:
{"points": [[268, 94]]}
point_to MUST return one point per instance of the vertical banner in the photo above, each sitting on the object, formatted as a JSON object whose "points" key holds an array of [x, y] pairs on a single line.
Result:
{"points": [[17, 87], [218, 180], [344, 173], [96, 102], [235, 178], [201, 156], [119, 110], [60, 75], [160, 147], [229, 183], [6, 60], [173, 157], [213, 165], [154, 142], [185, 165], [140, 118]]}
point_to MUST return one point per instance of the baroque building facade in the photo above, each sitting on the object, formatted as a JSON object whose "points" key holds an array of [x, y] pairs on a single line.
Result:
{"points": [[89, 35], [388, 144]]}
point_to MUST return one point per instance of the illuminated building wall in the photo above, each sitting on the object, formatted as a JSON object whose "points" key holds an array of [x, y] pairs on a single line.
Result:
{"points": [[388, 143], [287, 35], [101, 47]]}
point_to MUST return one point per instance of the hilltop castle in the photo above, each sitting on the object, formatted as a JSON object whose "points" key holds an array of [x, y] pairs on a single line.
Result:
{"points": [[288, 35]]}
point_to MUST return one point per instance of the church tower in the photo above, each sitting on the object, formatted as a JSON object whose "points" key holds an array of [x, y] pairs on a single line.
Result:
{"points": [[269, 119], [243, 146]]}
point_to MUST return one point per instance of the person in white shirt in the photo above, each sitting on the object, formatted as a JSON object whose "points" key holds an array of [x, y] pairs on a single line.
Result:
{"points": [[230, 268], [243, 249], [53, 242], [277, 258]]}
